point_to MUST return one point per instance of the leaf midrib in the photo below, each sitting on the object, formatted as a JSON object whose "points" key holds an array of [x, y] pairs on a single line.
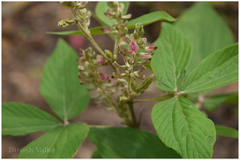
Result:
{"points": [[187, 125]]}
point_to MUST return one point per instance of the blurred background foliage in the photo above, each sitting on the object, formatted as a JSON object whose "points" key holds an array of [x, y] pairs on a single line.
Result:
{"points": [[26, 47]]}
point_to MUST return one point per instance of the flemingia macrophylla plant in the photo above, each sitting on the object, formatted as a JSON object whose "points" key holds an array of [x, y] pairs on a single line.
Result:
{"points": [[183, 131]]}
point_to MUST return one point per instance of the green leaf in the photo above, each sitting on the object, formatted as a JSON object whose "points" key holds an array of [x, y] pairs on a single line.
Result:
{"points": [[60, 84], [217, 70], [169, 62], [226, 131], [19, 119], [119, 142], [149, 18], [192, 97], [96, 154], [206, 30], [94, 31], [232, 99], [211, 103], [181, 126], [101, 9], [145, 20], [61, 142]]}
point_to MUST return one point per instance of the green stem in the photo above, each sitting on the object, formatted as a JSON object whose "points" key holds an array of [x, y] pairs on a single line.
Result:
{"points": [[133, 116], [161, 98], [92, 41], [116, 47], [89, 37]]}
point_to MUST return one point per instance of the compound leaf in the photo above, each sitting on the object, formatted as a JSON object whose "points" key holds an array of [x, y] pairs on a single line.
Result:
{"points": [[226, 131], [19, 119], [119, 142], [206, 30], [169, 62], [217, 70], [61, 142], [60, 84], [181, 126]]}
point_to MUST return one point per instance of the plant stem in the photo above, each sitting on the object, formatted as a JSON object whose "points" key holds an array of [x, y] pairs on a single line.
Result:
{"points": [[133, 116], [161, 98], [89, 37], [116, 47], [92, 41]]}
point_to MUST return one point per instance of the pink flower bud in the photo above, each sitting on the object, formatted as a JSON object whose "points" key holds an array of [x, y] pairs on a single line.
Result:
{"points": [[81, 67], [108, 15], [81, 54], [151, 47], [106, 30], [133, 47], [145, 40], [100, 62], [123, 49], [132, 38], [84, 2], [102, 76], [147, 56]]}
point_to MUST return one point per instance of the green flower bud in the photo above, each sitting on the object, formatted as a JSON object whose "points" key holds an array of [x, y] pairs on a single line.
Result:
{"points": [[123, 98], [81, 5], [128, 16], [108, 53], [66, 22], [114, 57], [145, 84], [123, 31], [127, 39], [113, 4], [139, 31]]}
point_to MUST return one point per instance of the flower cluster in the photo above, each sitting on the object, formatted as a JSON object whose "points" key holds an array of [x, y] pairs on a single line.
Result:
{"points": [[89, 64], [116, 12], [134, 51], [81, 14]]}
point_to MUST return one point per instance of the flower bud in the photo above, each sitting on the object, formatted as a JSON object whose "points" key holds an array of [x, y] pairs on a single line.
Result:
{"points": [[139, 31], [108, 53], [123, 31], [113, 4], [83, 11], [128, 16], [81, 5], [66, 22], [145, 84], [123, 98], [114, 57], [81, 68], [127, 39]]}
